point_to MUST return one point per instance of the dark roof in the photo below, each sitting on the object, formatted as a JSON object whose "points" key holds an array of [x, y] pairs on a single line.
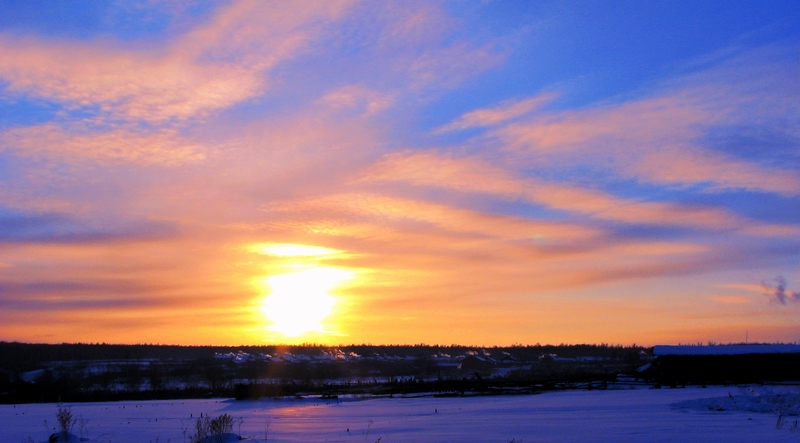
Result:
{"points": [[725, 350]]}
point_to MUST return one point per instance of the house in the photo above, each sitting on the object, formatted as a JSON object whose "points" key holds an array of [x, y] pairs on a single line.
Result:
{"points": [[508, 359], [477, 363], [719, 364]]}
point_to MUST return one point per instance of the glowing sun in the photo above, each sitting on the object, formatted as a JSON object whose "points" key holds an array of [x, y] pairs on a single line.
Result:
{"points": [[300, 301]]}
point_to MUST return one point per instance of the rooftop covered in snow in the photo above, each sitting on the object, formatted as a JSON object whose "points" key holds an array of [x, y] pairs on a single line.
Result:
{"points": [[726, 350]]}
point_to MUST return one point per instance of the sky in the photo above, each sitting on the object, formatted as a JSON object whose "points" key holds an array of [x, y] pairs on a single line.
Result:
{"points": [[335, 172]]}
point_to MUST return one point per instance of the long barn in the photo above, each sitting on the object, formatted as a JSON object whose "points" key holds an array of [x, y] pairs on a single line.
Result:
{"points": [[720, 364]]}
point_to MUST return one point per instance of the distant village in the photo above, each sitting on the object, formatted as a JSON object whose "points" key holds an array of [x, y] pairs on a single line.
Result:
{"points": [[103, 372]]}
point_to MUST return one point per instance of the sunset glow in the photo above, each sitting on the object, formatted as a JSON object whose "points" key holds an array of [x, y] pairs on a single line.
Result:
{"points": [[299, 302], [341, 171], [292, 250]]}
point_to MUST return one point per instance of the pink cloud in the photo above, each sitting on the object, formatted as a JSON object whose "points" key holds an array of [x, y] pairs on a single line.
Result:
{"points": [[659, 118], [736, 299], [416, 23], [365, 100], [652, 141], [750, 288], [442, 170], [213, 67], [132, 85], [449, 66], [162, 147], [475, 176], [505, 111], [682, 164], [414, 47], [389, 210], [659, 139]]}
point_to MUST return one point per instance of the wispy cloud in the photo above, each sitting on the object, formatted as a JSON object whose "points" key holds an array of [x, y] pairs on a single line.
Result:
{"points": [[499, 114], [660, 138], [388, 210], [61, 228], [447, 67], [362, 99], [473, 175], [216, 65], [653, 141], [160, 147], [732, 299]]}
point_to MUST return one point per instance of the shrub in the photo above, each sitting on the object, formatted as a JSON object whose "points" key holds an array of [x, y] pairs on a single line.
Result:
{"points": [[66, 421], [220, 425], [207, 428]]}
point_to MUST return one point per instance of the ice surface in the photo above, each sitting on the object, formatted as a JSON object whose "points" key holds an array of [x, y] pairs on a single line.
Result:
{"points": [[637, 415]]}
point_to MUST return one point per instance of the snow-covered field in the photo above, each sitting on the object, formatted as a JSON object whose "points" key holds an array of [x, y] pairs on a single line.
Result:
{"points": [[715, 414]]}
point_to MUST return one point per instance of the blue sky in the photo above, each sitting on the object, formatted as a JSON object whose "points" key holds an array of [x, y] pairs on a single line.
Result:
{"points": [[477, 172]]}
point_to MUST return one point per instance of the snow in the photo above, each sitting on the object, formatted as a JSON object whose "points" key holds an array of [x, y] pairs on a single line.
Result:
{"points": [[228, 437], [760, 400], [715, 414], [32, 375], [726, 350]]}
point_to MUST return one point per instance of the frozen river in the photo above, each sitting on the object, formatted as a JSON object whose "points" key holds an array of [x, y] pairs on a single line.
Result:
{"points": [[716, 414]]}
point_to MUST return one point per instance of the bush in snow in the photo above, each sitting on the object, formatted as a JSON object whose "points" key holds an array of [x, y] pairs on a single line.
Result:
{"points": [[214, 430], [66, 422]]}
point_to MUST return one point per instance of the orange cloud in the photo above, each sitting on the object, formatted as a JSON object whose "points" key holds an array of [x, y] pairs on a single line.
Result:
{"points": [[737, 299], [392, 210], [744, 287], [151, 287]]}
